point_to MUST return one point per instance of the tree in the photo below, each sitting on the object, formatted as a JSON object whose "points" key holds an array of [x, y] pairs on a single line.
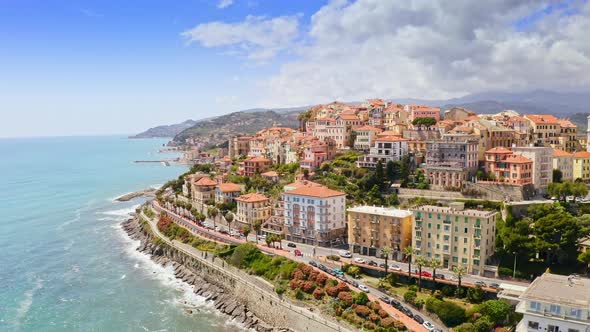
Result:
{"points": [[584, 258], [212, 212], [420, 261], [495, 310], [269, 239], [404, 169], [434, 264], [427, 122], [557, 175], [229, 218], [360, 298], [409, 251], [351, 137], [379, 174], [257, 228], [459, 272], [385, 252], [557, 233], [246, 231], [390, 171], [354, 271], [475, 294]]}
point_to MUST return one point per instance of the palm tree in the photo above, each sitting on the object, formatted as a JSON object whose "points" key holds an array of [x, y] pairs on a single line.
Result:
{"points": [[257, 227], [229, 218], [212, 212], [409, 252], [269, 239], [420, 261], [434, 264], [386, 251], [459, 272], [246, 231]]}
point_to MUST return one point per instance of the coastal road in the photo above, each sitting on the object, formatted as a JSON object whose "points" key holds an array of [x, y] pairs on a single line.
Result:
{"points": [[224, 238]]}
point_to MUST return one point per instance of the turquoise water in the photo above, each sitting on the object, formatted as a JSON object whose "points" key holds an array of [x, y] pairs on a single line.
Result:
{"points": [[65, 263]]}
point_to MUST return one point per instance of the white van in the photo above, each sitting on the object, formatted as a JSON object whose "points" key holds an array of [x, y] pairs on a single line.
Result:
{"points": [[345, 253]]}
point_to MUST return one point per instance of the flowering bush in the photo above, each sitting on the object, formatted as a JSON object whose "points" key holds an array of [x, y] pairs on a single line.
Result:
{"points": [[318, 293], [374, 318], [321, 279], [383, 313], [342, 287], [297, 275], [369, 325], [308, 286], [362, 310], [332, 291], [387, 322], [346, 298]]}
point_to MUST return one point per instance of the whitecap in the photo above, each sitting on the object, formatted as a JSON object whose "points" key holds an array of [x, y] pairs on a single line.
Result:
{"points": [[27, 301], [121, 212], [123, 276]]}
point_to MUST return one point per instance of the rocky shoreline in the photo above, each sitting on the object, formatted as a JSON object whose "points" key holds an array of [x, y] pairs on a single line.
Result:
{"points": [[222, 301], [149, 192]]}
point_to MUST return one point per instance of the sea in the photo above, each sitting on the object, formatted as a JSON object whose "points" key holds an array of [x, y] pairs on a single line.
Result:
{"points": [[65, 262]]}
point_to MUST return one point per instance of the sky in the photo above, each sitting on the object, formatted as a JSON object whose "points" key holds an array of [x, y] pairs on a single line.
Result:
{"points": [[120, 67]]}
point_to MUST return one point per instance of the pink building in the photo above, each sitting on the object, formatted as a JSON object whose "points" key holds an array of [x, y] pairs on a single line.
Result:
{"points": [[422, 111], [315, 153], [508, 167]]}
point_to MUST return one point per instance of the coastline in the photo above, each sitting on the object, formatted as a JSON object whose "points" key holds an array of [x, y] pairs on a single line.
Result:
{"points": [[220, 299]]}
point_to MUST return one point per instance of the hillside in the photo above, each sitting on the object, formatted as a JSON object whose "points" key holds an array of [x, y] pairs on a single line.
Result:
{"points": [[218, 130], [166, 130]]}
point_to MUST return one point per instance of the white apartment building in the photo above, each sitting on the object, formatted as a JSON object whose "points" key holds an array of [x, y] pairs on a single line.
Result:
{"points": [[388, 148], [455, 236], [542, 158], [564, 161], [555, 303], [314, 214]]}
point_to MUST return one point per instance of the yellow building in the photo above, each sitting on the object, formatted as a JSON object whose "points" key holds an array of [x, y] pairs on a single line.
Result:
{"points": [[251, 208], [372, 228], [455, 236], [582, 165]]}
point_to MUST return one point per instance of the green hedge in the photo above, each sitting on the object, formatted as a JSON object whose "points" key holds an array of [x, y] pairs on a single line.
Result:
{"points": [[449, 313]]}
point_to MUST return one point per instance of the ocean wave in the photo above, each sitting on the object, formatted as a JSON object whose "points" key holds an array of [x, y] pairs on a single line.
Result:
{"points": [[27, 301], [121, 212]]}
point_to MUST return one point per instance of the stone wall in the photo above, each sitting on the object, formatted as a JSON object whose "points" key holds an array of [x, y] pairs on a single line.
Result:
{"points": [[249, 299]]}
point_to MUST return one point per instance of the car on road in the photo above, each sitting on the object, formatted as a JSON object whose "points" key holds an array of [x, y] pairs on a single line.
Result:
{"points": [[395, 267], [297, 252], [480, 283], [372, 263], [385, 299], [354, 283], [418, 319], [428, 325], [323, 268], [396, 304], [382, 265], [440, 276], [342, 277], [406, 311], [217, 229], [494, 285], [364, 288], [291, 245], [345, 253], [337, 271], [426, 274], [312, 263], [360, 260], [437, 330]]}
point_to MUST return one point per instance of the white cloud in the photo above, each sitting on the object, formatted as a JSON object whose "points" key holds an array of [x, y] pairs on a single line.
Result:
{"points": [[258, 38], [433, 49], [224, 3]]}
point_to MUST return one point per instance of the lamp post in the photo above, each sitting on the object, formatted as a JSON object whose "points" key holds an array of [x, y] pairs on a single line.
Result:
{"points": [[514, 270]]}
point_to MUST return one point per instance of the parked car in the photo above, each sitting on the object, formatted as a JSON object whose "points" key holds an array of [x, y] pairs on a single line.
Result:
{"points": [[364, 288], [406, 311], [480, 283], [360, 260], [291, 245], [354, 283], [312, 263], [428, 325], [494, 285], [385, 299], [217, 229], [396, 304], [338, 271], [395, 267], [345, 254], [426, 274], [418, 319], [342, 277], [297, 252], [440, 276], [322, 267], [372, 263], [382, 265]]}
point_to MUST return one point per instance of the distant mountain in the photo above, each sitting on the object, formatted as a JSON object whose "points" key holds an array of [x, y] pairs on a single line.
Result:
{"points": [[166, 130], [216, 131]]}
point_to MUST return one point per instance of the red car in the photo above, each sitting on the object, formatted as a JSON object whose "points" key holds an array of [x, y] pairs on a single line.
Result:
{"points": [[297, 252], [426, 274]]}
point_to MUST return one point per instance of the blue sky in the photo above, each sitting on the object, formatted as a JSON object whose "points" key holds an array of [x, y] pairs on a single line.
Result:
{"points": [[99, 67], [106, 67]]}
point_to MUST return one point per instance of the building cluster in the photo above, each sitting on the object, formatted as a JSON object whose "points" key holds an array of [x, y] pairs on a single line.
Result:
{"points": [[450, 146]]}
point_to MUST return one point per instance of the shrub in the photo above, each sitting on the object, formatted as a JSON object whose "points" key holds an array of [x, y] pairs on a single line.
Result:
{"points": [[413, 288], [475, 295], [447, 291], [332, 291], [360, 298], [374, 318], [321, 279], [362, 310], [345, 298], [280, 289], [387, 322], [338, 311], [308, 287], [438, 294], [383, 313], [297, 274], [375, 306], [333, 258], [449, 313], [410, 296], [495, 310], [299, 294], [342, 287], [369, 325], [318, 293]]}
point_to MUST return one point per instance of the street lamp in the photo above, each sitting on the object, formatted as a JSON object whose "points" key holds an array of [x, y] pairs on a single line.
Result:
{"points": [[514, 270]]}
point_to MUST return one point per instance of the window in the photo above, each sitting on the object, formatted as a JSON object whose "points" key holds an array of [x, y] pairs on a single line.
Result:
{"points": [[555, 309], [533, 325], [575, 313], [464, 260]]}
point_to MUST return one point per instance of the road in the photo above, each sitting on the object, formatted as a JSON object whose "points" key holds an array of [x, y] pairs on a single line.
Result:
{"points": [[374, 294]]}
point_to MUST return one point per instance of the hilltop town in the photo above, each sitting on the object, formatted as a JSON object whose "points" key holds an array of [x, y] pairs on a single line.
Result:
{"points": [[490, 200]]}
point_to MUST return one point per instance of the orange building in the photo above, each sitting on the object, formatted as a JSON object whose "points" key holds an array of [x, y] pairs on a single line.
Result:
{"points": [[256, 165], [508, 167]]}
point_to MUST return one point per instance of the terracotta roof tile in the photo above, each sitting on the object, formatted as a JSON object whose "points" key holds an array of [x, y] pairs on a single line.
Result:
{"points": [[561, 153], [252, 198], [205, 182], [315, 191], [542, 118], [229, 187], [499, 149], [518, 159], [582, 154]]}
